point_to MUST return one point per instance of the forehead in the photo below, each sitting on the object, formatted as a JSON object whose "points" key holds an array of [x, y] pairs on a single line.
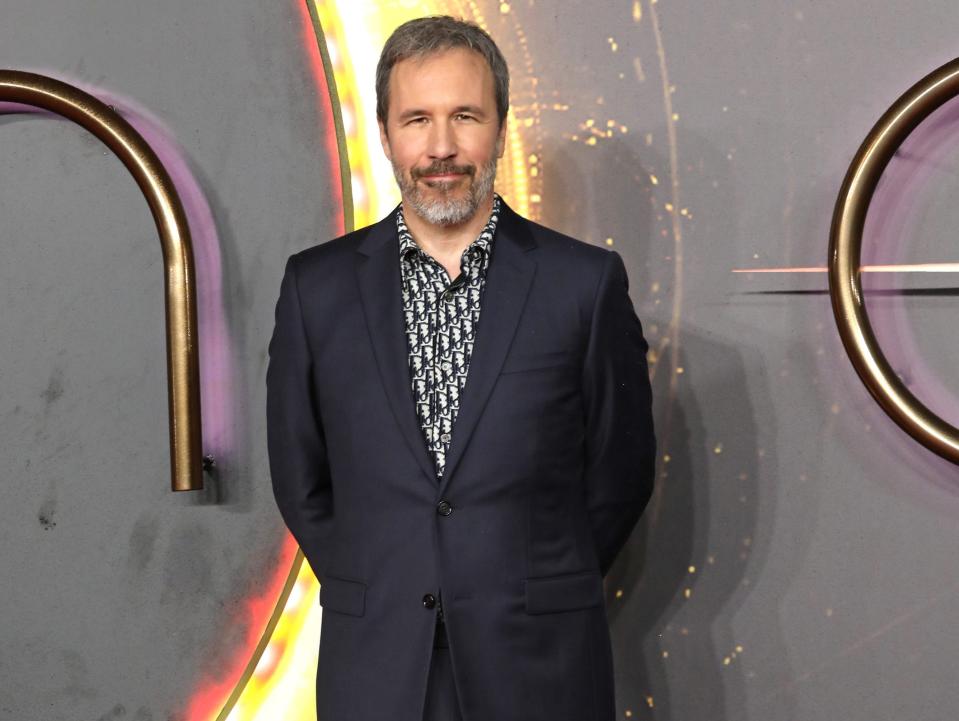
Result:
{"points": [[458, 75]]}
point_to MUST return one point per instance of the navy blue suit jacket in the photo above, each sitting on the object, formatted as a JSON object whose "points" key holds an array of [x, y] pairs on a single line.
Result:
{"points": [[550, 466]]}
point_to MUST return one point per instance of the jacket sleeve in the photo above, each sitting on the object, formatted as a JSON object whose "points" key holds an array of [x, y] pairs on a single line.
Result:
{"points": [[620, 442], [297, 448]]}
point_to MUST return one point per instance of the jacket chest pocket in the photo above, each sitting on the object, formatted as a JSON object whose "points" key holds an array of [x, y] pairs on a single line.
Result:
{"points": [[539, 360]]}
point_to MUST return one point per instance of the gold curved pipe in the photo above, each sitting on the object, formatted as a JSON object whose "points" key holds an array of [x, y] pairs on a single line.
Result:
{"points": [[845, 245], [183, 367]]}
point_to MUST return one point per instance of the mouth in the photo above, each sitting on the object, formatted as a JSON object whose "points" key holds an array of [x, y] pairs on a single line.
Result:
{"points": [[443, 177], [440, 175]]}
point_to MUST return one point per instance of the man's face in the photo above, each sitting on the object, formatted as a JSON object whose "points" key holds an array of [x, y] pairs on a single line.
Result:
{"points": [[442, 134]]}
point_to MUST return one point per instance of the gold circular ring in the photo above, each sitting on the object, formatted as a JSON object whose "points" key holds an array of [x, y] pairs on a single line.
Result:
{"points": [[845, 245]]}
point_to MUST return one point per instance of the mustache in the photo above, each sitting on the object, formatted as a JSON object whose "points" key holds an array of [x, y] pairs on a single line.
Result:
{"points": [[441, 167]]}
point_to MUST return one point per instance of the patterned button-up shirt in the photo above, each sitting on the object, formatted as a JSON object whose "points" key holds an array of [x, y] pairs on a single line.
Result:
{"points": [[441, 320]]}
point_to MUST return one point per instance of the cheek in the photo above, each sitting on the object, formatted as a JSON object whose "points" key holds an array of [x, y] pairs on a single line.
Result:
{"points": [[408, 144], [482, 148], [406, 160]]}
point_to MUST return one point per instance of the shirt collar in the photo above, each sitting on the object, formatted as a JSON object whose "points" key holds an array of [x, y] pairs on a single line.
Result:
{"points": [[483, 242]]}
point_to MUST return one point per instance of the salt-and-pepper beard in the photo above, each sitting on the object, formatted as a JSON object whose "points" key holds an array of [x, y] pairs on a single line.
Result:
{"points": [[446, 210]]}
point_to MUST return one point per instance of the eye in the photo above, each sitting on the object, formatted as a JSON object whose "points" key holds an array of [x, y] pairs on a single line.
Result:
{"points": [[464, 116], [416, 121]]}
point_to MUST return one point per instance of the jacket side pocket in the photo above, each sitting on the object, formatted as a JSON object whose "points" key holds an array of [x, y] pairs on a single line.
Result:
{"points": [[343, 596], [567, 592]]}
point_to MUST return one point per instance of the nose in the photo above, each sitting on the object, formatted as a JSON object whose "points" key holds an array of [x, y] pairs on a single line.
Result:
{"points": [[442, 141]]}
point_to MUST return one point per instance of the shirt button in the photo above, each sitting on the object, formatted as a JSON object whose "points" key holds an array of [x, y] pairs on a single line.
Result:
{"points": [[445, 437], [444, 508], [447, 295], [447, 365], [429, 600]]}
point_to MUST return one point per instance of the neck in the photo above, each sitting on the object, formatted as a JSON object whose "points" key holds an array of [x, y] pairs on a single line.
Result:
{"points": [[444, 241]]}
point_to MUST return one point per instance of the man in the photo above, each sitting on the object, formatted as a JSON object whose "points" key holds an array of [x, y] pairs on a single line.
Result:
{"points": [[459, 423]]}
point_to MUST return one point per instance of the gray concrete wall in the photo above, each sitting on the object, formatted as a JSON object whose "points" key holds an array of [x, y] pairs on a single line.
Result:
{"points": [[798, 560], [115, 592]]}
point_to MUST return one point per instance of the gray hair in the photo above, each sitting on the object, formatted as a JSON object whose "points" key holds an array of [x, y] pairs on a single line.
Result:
{"points": [[426, 36]]}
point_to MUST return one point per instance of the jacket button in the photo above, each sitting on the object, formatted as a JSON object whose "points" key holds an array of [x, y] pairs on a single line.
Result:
{"points": [[444, 508], [429, 600]]}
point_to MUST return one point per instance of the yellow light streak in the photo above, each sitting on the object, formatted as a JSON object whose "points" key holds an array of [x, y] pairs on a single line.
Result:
{"points": [[282, 683], [355, 31]]}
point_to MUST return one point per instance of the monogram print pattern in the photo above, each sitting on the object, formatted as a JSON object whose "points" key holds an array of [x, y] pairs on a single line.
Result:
{"points": [[441, 319]]}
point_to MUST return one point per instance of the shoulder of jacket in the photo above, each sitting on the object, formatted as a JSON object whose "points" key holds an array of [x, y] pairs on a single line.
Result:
{"points": [[569, 249], [329, 253]]}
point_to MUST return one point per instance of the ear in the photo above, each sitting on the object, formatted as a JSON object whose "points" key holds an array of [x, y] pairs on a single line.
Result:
{"points": [[385, 141], [501, 140]]}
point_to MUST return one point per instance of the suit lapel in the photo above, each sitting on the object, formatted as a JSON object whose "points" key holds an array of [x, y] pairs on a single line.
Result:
{"points": [[508, 280], [378, 274]]}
